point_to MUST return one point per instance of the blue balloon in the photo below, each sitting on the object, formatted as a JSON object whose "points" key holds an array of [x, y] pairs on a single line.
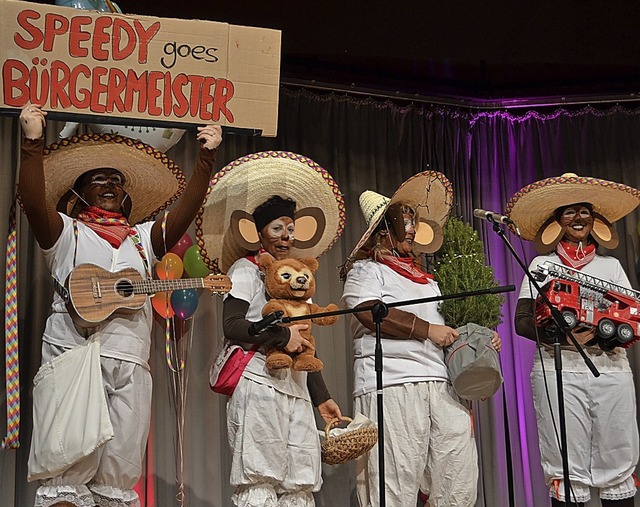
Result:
{"points": [[90, 5], [184, 302]]}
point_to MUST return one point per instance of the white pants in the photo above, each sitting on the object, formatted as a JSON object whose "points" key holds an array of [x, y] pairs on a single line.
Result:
{"points": [[108, 475], [275, 445], [602, 433], [428, 440]]}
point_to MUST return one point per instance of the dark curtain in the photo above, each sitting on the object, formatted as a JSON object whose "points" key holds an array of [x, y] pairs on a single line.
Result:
{"points": [[365, 144]]}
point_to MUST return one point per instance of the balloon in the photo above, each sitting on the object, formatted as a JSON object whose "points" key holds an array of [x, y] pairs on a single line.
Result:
{"points": [[184, 302], [193, 263], [91, 5], [170, 267], [162, 304], [182, 245], [160, 138]]}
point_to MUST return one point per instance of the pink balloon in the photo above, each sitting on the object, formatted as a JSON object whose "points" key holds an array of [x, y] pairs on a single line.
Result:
{"points": [[182, 245]]}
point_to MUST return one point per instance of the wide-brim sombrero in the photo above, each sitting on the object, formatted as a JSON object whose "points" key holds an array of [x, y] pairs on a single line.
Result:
{"points": [[153, 180], [246, 183], [430, 193], [532, 206]]}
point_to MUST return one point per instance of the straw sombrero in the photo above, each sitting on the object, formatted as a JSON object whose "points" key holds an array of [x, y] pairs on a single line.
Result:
{"points": [[533, 208], [153, 181], [247, 182], [430, 193]]}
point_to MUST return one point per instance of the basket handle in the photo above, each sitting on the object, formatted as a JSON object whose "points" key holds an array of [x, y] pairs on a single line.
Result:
{"points": [[334, 422]]}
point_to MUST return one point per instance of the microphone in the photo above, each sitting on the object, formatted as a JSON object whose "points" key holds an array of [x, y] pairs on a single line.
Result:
{"points": [[492, 217], [258, 327]]}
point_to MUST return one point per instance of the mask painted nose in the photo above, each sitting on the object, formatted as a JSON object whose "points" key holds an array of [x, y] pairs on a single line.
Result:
{"points": [[301, 280]]}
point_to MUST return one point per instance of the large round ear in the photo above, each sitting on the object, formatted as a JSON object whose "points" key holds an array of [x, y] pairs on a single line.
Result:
{"points": [[311, 263], [548, 236], [265, 261], [604, 232], [243, 230], [428, 238], [310, 224]]}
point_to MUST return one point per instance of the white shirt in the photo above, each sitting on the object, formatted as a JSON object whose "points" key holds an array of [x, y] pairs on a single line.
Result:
{"points": [[247, 285], [403, 360], [125, 337]]}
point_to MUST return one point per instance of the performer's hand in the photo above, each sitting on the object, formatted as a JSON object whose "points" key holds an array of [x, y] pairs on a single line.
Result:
{"points": [[442, 335], [32, 121], [297, 343], [210, 136], [329, 410], [496, 342]]}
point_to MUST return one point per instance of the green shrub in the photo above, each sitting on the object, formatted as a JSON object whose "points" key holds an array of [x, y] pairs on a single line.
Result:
{"points": [[460, 266]]}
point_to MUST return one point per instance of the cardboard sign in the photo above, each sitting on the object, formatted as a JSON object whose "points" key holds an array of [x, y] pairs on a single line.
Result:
{"points": [[127, 66]]}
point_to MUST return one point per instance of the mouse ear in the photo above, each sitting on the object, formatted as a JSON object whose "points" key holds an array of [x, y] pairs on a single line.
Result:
{"points": [[243, 230], [604, 232], [428, 238], [310, 224], [548, 236]]}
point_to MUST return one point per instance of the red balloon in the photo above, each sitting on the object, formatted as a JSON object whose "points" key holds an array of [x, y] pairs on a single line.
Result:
{"points": [[182, 245], [161, 302]]}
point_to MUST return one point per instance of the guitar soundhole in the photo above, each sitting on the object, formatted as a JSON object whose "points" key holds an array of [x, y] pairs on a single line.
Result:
{"points": [[124, 288]]}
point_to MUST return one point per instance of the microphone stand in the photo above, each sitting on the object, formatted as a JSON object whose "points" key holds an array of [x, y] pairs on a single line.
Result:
{"points": [[379, 311], [557, 356]]}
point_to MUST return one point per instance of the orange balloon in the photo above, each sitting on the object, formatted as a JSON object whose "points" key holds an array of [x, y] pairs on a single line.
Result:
{"points": [[170, 267], [161, 302]]}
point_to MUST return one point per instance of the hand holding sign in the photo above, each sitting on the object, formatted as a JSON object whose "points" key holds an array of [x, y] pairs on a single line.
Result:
{"points": [[32, 121], [210, 136]]}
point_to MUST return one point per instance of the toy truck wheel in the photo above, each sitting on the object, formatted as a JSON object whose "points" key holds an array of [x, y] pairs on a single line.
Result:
{"points": [[625, 333], [606, 328], [570, 318]]}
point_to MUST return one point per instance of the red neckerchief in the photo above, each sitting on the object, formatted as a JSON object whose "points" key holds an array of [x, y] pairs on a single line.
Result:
{"points": [[252, 258], [109, 225], [573, 257], [406, 267]]}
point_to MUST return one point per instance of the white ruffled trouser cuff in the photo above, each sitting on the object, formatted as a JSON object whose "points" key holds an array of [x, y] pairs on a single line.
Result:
{"points": [[78, 495], [109, 496], [264, 495]]}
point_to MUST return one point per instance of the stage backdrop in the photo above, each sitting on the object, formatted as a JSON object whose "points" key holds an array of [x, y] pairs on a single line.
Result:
{"points": [[365, 144]]}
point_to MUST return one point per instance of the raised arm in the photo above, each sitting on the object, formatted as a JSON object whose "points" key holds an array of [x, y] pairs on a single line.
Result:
{"points": [[190, 201], [44, 220]]}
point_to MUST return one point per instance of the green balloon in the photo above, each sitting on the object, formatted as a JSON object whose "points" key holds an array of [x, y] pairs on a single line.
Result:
{"points": [[193, 263]]}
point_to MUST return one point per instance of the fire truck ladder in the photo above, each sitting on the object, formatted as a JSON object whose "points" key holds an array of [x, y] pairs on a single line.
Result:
{"points": [[552, 269]]}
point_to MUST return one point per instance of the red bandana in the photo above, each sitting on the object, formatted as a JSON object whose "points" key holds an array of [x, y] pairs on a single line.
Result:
{"points": [[406, 267], [109, 225], [253, 258], [573, 257]]}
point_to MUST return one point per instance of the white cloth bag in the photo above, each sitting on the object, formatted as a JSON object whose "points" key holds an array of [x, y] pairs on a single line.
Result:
{"points": [[70, 414]]}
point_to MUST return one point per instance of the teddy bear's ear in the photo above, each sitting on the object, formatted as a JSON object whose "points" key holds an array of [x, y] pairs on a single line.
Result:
{"points": [[605, 232], [548, 236], [265, 261], [310, 224], [311, 263], [243, 230], [428, 238]]}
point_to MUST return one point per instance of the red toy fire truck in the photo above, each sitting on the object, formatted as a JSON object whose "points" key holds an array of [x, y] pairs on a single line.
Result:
{"points": [[587, 301]]}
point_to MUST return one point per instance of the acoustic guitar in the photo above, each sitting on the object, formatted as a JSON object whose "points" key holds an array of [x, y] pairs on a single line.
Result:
{"points": [[92, 293]]}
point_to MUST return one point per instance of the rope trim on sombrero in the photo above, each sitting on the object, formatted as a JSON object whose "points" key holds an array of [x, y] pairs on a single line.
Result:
{"points": [[342, 212], [580, 180], [131, 143]]}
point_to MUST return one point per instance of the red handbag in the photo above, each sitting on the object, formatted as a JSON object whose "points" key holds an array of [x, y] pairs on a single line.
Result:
{"points": [[227, 369]]}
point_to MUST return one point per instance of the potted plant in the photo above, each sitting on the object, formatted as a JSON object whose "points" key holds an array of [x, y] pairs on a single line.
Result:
{"points": [[460, 267]]}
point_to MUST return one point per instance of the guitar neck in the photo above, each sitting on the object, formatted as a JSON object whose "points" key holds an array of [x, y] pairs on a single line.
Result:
{"points": [[153, 286]]}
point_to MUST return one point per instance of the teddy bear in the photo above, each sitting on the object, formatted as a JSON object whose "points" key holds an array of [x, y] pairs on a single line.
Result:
{"points": [[290, 283]]}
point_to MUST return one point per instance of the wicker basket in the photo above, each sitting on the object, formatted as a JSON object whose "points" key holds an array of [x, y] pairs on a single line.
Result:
{"points": [[347, 446]]}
